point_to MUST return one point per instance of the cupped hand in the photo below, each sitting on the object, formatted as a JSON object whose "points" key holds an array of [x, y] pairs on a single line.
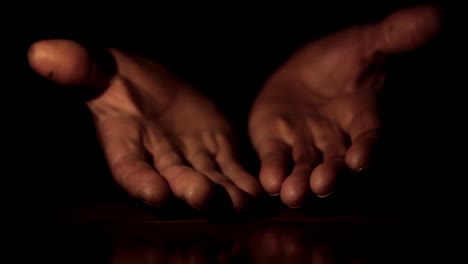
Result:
{"points": [[160, 136], [318, 111]]}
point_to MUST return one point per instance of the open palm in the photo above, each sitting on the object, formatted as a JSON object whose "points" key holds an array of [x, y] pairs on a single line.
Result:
{"points": [[160, 136], [319, 109]]}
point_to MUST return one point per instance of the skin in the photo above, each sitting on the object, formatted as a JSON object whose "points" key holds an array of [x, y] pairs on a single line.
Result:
{"points": [[318, 111], [161, 137]]}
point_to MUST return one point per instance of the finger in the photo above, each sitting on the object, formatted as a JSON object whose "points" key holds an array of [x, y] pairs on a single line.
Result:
{"points": [[231, 167], [327, 137], [275, 156], [363, 125], [187, 184], [139, 179], [324, 177], [296, 186], [408, 29], [329, 140], [359, 155], [127, 159], [69, 63], [203, 161]]}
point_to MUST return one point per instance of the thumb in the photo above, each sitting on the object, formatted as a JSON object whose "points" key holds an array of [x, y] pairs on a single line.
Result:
{"points": [[408, 29], [68, 63]]}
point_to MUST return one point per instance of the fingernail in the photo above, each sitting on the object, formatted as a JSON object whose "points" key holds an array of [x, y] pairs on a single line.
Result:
{"points": [[295, 207], [273, 194], [325, 195], [362, 168]]}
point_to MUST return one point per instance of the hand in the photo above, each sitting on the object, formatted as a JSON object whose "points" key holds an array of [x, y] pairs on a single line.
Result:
{"points": [[159, 135], [319, 109]]}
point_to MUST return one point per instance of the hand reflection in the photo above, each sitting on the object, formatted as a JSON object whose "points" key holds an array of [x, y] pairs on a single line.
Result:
{"points": [[295, 244], [257, 244], [145, 252]]}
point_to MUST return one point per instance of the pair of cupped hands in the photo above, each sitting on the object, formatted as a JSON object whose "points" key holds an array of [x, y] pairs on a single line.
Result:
{"points": [[318, 111]]}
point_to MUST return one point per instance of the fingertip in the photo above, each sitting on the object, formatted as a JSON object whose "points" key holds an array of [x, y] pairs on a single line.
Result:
{"points": [[271, 180], [323, 185], [242, 178], [200, 192], [295, 190], [409, 28], [357, 158], [69, 63], [154, 192], [360, 153], [275, 156], [155, 198], [62, 61], [324, 178], [292, 197]]}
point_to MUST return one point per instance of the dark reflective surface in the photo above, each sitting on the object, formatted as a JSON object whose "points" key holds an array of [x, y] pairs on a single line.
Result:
{"points": [[124, 234], [362, 225], [274, 243], [254, 244]]}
